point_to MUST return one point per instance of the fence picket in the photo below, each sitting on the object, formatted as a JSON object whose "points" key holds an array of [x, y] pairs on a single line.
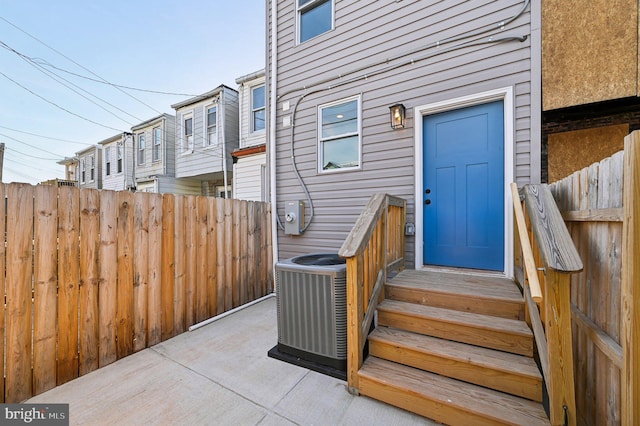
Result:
{"points": [[190, 260], [180, 265], [18, 293], [108, 277], [124, 312], [45, 287], [140, 269], [88, 288], [212, 256], [3, 291], [168, 267], [68, 277], [201, 261], [154, 277]]}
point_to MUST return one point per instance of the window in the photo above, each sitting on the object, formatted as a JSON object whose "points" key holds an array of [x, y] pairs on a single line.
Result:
{"points": [[157, 142], [119, 158], [92, 171], [141, 147], [257, 109], [83, 171], [107, 160], [212, 126], [339, 138], [314, 18], [187, 134]]}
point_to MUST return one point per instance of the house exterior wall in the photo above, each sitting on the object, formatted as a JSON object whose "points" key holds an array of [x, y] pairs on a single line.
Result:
{"points": [[205, 161], [117, 181], [381, 53], [165, 164], [86, 156], [249, 178], [249, 174], [170, 185]]}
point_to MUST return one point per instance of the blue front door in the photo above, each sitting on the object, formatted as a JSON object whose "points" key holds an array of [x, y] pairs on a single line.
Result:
{"points": [[463, 191]]}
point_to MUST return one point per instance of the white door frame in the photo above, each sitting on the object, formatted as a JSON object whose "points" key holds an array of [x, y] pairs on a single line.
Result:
{"points": [[505, 95]]}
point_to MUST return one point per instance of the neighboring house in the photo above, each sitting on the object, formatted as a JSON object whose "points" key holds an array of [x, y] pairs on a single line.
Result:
{"points": [[90, 167], [206, 134], [71, 167], [117, 162], [591, 100], [250, 159], [155, 158], [463, 83]]}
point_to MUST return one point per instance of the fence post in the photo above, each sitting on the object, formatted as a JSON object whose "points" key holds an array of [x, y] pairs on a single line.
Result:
{"points": [[355, 314], [630, 401]]}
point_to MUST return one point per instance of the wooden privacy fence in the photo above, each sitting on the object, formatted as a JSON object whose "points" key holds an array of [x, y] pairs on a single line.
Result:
{"points": [[92, 276], [601, 205]]}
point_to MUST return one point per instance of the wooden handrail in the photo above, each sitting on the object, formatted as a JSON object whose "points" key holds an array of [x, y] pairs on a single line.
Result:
{"points": [[527, 252], [374, 246], [550, 318]]}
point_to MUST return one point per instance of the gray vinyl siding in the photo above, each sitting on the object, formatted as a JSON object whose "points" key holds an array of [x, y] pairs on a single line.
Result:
{"points": [[205, 161], [369, 33], [86, 155], [114, 181], [179, 186], [247, 177]]}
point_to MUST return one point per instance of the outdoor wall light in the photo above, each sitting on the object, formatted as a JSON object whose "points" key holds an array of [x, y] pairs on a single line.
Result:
{"points": [[398, 116]]}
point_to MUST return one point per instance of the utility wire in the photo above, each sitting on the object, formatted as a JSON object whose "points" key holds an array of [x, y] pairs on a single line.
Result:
{"points": [[32, 146], [56, 105], [76, 63], [32, 156], [46, 137]]}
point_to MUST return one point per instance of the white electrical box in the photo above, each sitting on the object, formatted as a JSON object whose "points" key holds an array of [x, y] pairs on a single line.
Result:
{"points": [[293, 217]]}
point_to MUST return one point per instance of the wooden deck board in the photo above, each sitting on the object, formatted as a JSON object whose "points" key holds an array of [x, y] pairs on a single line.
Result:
{"points": [[481, 330], [443, 399], [515, 374]]}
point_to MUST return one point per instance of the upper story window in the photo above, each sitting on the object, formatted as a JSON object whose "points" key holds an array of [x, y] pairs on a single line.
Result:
{"points": [[119, 158], [107, 160], [186, 140], [157, 143], [83, 171], [141, 148], [257, 109], [92, 170], [339, 135], [315, 17], [212, 126]]}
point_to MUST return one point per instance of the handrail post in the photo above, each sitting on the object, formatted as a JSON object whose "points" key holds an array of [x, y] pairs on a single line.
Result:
{"points": [[560, 348], [630, 297], [355, 315]]}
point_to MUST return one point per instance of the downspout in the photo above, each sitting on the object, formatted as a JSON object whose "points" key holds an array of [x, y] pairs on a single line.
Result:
{"points": [[272, 128], [224, 140]]}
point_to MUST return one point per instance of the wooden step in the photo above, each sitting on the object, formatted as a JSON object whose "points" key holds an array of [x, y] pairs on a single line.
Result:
{"points": [[481, 330], [444, 399], [496, 296], [506, 372]]}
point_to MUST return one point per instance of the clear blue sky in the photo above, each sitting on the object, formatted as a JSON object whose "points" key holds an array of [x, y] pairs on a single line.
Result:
{"points": [[187, 47]]}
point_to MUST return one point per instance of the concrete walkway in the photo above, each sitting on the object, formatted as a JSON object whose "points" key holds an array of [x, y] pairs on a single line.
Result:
{"points": [[218, 375]]}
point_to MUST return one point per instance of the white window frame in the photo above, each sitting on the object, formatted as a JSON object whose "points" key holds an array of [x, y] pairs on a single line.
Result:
{"points": [[119, 159], [254, 110], [107, 160], [92, 168], [156, 135], [205, 142], [140, 152], [83, 170], [186, 147], [358, 133], [306, 7]]}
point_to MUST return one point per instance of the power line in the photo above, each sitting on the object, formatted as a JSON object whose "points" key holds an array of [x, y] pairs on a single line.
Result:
{"points": [[32, 156], [56, 105], [76, 63], [46, 137], [38, 66], [32, 146]]}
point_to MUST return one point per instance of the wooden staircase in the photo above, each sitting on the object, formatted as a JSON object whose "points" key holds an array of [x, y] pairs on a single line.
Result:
{"points": [[454, 348]]}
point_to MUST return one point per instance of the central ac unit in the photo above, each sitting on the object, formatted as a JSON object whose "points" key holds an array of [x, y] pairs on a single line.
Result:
{"points": [[312, 308]]}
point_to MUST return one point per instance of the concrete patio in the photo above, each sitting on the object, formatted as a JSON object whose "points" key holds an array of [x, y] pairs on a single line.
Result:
{"points": [[218, 374]]}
